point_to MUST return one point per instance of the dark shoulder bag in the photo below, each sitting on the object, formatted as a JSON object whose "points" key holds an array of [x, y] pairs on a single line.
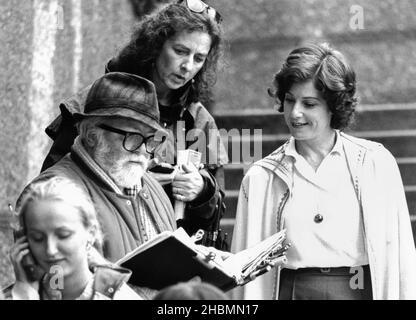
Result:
{"points": [[215, 236]]}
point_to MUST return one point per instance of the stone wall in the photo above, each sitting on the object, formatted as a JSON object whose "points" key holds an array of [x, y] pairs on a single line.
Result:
{"points": [[262, 32], [50, 48]]}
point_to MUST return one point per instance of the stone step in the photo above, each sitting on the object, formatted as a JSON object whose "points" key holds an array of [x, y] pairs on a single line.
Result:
{"points": [[286, 18], [407, 167], [382, 68], [368, 118], [401, 143], [231, 198], [235, 173]]}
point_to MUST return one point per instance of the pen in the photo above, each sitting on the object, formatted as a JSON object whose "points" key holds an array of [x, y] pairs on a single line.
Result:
{"points": [[280, 251], [279, 260], [260, 272]]}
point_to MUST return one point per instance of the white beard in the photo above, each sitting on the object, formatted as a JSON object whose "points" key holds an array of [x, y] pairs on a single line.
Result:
{"points": [[124, 174]]}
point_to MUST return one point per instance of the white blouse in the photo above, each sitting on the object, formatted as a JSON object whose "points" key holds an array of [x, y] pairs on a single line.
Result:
{"points": [[323, 217]]}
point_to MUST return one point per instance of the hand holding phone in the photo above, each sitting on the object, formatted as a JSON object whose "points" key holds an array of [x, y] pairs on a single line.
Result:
{"points": [[25, 267]]}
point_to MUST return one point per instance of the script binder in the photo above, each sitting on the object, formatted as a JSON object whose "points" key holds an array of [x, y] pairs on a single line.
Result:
{"points": [[173, 257]]}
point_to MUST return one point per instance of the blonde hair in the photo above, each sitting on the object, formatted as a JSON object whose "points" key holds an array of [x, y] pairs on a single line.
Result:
{"points": [[62, 189]]}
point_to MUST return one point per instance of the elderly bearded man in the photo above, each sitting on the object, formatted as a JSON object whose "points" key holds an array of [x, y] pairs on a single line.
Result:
{"points": [[118, 131]]}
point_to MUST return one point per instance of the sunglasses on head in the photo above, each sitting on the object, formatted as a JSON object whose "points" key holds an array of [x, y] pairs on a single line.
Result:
{"points": [[199, 6]]}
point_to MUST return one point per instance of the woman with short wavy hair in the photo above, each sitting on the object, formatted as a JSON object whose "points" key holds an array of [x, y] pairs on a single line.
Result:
{"points": [[340, 198], [331, 75]]}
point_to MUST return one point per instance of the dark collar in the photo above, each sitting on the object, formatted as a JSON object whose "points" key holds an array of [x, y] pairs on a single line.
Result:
{"points": [[168, 114], [178, 108]]}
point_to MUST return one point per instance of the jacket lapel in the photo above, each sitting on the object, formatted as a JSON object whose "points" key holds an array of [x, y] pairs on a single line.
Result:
{"points": [[158, 204], [355, 159], [280, 164]]}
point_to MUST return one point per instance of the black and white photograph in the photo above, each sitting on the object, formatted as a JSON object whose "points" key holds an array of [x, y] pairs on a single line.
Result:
{"points": [[234, 151]]}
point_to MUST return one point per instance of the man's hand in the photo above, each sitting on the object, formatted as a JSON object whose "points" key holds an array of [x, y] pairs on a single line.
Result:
{"points": [[187, 183]]}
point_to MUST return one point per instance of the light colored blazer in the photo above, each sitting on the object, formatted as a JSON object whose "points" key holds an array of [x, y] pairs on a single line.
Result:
{"points": [[268, 184]]}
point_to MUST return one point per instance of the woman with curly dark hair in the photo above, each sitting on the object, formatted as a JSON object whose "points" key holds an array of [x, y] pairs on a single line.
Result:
{"points": [[340, 198], [155, 32], [178, 49]]}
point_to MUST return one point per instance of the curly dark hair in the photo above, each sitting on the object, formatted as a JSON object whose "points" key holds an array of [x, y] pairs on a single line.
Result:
{"points": [[333, 76], [148, 38]]}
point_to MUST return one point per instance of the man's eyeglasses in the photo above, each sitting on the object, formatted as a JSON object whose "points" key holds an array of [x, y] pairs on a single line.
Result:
{"points": [[133, 140], [199, 6]]}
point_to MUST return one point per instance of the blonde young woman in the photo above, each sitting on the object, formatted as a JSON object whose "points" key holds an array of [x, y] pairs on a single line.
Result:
{"points": [[60, 230]]}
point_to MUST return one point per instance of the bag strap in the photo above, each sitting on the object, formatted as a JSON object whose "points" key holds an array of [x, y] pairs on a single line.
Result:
{"points": [[216, 237]]}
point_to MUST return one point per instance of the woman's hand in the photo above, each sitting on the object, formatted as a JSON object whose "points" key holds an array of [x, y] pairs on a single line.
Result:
{"points": [[17, 252], [213, 253], [187, 184]]}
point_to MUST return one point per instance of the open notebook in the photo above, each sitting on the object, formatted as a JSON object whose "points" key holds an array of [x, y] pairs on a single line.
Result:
{"points": [[173, 257]]}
